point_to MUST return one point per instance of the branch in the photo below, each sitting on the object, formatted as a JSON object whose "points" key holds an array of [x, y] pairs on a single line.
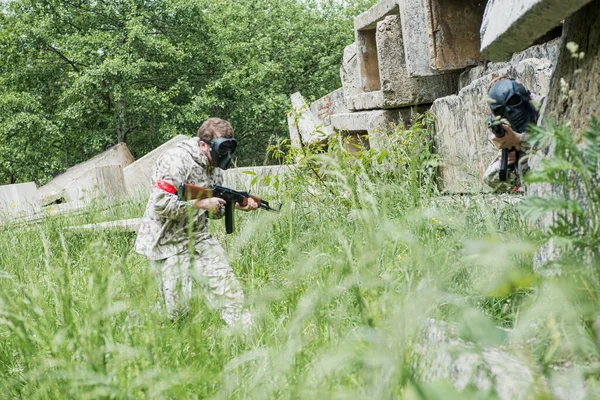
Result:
{"points": [[72, 63]]}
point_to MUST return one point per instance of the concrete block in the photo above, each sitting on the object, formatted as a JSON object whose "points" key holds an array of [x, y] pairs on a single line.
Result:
{"points": [[304, 127], [454, 33], [326, 106], [54, 190], [349, 74], [417, 37], [18, 199], [138, 175], [512, 25], [461, 126], [104, 183], [368, 20]]}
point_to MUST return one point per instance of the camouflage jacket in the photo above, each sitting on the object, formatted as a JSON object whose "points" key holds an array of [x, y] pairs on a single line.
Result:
{"points": [[167, 220]]}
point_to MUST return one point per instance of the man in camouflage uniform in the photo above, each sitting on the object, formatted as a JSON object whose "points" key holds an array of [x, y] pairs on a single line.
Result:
{"points": [[512, 107], [174, 233]]}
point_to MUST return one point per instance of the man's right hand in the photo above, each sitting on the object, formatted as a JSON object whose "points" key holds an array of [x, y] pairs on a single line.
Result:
{"points": [[212, 204]]}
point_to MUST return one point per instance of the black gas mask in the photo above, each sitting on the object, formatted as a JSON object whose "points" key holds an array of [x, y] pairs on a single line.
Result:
{"points": [[510, 101], [221, 150]]}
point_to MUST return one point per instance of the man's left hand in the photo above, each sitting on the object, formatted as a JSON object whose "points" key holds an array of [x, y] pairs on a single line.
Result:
{"points": [[510, 138], [251, 205]]}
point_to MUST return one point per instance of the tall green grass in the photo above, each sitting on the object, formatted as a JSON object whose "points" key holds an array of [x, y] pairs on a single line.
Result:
{"points": [[363, 256]]}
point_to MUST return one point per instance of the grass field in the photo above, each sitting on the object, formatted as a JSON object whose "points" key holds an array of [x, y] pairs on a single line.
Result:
{"points": [[342, 284]]}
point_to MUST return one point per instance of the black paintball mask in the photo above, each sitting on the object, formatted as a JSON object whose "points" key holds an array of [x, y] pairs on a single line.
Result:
{"points": [[510, 101], [221, 150]]}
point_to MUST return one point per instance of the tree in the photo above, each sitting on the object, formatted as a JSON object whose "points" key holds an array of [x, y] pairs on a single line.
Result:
{"points": [[77, 76]]}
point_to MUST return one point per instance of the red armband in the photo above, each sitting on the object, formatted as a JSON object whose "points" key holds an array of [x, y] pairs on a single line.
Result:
{"points": [[166, 186]]}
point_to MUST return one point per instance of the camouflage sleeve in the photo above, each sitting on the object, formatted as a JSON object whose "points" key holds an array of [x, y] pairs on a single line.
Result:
{"points": [[171, 169]]}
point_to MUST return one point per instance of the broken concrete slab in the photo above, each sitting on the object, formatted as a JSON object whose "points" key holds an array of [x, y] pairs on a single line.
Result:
{"points": [[395, 88], [138, 175], [18, 199], [105, 183], [326, 106], [461, 126], [304, 127], [512, 25], [54, 190]]}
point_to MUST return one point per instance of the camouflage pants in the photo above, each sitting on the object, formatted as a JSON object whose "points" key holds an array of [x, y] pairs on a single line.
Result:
{"points": [[209, 269], [513, 176]]}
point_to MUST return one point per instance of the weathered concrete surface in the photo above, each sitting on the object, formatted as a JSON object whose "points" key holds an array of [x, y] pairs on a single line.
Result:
{"points": [[455, 31], [441, 355], [349, 74], [18, 199], [104, 183], [511, 25], [398, 89], [417, 37], [304, 127], [138, 175], [573, 99], [54, 190], [548, 51], [326, 106], [461, 126]]}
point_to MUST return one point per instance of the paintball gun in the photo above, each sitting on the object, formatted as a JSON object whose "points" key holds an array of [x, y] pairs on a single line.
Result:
{"points": [[495, 125], [191, 192]]}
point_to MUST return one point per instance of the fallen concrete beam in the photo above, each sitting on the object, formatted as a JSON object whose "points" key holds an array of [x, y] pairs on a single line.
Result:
{"points": [[126, 225], [304, 127], [461, 128], [18, 200], [138, 175], [55, 189], [512, 25]]}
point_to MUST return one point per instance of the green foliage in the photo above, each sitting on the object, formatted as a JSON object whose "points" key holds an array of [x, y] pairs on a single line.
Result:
{"points": [[79, 76], [343, 283], [571, 178]]}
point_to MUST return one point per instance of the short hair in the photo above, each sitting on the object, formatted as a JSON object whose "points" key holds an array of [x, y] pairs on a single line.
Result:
{"points": [[213, 126], [497, 79]]}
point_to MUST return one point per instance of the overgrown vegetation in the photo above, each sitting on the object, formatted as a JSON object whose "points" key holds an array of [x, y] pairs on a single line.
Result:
{"points": [[77, 76], [343, 283]]}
